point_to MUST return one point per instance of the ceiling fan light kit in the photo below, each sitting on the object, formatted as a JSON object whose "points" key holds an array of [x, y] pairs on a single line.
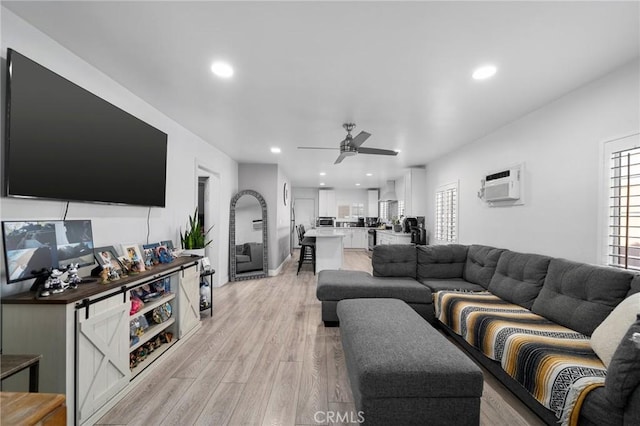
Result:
{"points": [[350, 146]]}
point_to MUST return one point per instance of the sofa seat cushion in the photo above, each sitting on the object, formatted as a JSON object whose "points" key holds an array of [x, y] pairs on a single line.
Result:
{"points": [[450, 284], [481, 264], [519, 277], [580, 296], [242, 258], [441, 261], [553, 363], [340, 284], [394, 260]]}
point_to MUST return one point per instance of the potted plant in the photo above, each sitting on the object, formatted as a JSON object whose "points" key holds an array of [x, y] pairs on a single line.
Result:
{"points": [[194, 239]]}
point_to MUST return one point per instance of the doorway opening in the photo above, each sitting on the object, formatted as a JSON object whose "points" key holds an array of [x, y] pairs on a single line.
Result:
{"points": [[208, 197]]}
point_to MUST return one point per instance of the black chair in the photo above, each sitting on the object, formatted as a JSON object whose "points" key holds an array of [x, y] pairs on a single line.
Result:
{"points": [[307, 249]]}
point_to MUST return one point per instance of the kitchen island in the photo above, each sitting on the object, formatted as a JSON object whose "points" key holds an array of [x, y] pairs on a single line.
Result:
{"points": [[329, 247]]}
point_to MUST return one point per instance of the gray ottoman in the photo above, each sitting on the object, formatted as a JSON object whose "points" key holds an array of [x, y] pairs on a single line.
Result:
{"points": [[336, 285], [402, 371]]}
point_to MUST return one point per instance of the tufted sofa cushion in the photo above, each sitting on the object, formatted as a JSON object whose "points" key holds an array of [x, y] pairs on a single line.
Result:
{"points": [[481, 264], [519, 277], [396, 260], [623, 374], [581, 296], [635, 285], [441, 261]]}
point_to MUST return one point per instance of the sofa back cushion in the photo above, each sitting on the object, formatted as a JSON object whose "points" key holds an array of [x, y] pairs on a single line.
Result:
{"points": [[481, 264], [581, 296], [635, 285], [441, 261], [519, 277], [394, 260], [623, 374]]}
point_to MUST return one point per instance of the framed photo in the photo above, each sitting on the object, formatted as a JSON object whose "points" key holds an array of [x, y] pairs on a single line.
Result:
{"points": [[107, 258], [132, 252], [168, 244], [150, 254]]}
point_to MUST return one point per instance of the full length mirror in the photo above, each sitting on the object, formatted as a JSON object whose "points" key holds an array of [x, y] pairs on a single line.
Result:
{"points": [[248, 254]]}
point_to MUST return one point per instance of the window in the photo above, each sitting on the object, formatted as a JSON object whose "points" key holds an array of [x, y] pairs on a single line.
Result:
{"points": [[624, 209], [446, 227]]}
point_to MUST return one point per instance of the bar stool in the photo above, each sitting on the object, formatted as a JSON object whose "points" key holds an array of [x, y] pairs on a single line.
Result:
{"points": [[307, 249]]}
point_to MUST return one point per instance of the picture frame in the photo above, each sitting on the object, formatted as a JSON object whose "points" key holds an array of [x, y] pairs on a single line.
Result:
{"points": [[168, 244], [150, 253], [133, 253], [107, 257]]}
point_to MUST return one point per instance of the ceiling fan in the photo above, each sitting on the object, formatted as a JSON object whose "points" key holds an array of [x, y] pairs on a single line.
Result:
{"points": [[351, 146]]}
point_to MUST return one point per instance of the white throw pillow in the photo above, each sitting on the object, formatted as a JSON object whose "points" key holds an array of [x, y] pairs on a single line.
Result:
{"points": [[608, 335]]}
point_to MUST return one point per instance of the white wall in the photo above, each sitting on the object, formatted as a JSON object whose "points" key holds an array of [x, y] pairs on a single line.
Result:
{"points": [[560, 145], [268, 180], [113, 225]]}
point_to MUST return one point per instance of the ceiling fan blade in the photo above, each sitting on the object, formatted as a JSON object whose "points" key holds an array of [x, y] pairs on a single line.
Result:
{"points": [[376, 151], [359, 140], [340, 158], [315, 147]]}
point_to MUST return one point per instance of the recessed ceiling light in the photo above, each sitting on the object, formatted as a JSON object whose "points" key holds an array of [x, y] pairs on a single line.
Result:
{"points": [[222, 69], [398, 150], [369, 174], [484, 72], [321, 183], [275, 150], [357, 184], [323, 174]]}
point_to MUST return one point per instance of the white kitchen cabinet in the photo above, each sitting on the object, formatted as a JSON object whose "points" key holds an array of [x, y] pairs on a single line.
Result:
{"points": [[360, 238], [372, 202], [327, 203], [414, 195]]}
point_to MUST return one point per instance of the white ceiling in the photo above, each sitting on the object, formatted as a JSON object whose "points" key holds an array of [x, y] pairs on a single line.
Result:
{"points": [[399, 70]]}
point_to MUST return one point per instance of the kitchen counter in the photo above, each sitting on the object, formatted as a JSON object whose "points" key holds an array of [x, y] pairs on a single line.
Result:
{"points": [[329, 247], [388, 236]]}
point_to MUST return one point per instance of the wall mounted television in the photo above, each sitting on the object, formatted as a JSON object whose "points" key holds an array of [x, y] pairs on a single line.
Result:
{"points": [[33, 248], [62, 142]]}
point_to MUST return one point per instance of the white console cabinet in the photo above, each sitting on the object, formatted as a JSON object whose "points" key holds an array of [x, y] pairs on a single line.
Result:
{"points": [[84, 334]]}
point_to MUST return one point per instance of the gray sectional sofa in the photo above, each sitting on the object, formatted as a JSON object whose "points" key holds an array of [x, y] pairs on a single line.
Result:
{"points": [[573, 297]]}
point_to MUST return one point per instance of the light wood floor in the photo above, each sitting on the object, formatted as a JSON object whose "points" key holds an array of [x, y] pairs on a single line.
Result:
{"points": [[265, 358]]}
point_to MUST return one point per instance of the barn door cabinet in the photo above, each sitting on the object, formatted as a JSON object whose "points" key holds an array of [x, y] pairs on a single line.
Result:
{"points": [[85, 335]]}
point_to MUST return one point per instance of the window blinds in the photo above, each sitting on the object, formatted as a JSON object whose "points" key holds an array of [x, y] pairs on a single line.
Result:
{"points": [[446, 214], [624, 209]]}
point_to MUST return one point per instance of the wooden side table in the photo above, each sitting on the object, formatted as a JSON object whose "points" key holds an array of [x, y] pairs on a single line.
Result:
{"points": [[20, 408], [12, 364]]}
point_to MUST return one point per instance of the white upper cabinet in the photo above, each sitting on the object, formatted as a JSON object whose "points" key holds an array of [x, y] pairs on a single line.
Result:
{"points": [[327, 203], [372, 203], [413, 192]]}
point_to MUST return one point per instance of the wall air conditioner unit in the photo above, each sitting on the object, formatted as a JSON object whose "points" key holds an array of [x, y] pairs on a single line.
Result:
{"points": [[503, 185]]}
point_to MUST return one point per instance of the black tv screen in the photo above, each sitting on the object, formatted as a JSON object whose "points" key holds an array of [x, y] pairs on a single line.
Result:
{"points": [[66, 143]]}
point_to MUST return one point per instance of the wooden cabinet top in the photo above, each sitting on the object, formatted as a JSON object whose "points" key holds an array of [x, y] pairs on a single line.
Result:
{"points": [[88, 290]]}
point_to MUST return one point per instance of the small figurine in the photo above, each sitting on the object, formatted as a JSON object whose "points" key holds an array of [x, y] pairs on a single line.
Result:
{"points": [[55, 283], [104, 275], [148, 254], [163, 254], [113, 274], [73, 279]]}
